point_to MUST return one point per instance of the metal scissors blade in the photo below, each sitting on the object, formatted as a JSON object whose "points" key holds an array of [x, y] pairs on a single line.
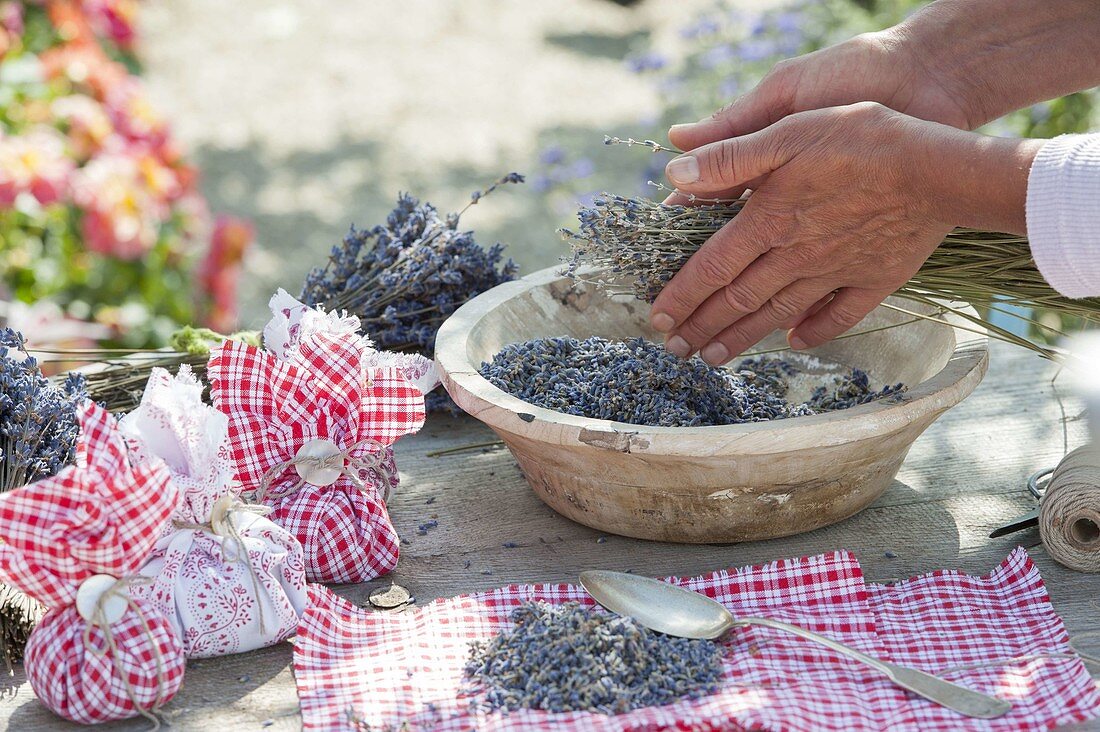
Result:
{"points": [[1024, 522], [1030, 518]]}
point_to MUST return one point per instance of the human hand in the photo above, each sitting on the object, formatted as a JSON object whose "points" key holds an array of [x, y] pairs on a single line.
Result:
{"points": [[873, 67], [958, 62], [853, 200]]}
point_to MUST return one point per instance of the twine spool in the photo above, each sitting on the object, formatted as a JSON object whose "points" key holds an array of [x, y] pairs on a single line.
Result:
{"points": [[1069, 514]]}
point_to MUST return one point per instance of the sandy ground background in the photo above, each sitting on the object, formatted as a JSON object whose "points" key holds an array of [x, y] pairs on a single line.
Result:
{"points": [[307, 116]]}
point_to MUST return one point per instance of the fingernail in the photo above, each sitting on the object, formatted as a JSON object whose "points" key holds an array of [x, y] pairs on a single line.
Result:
{"points": [[683, 170], [796, 343], [715, 354], [662, 322], [678, 346], [680, 128]]}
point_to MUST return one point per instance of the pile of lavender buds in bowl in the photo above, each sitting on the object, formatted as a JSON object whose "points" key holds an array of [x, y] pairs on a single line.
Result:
{"points": [[564, 658], [639, 382]]}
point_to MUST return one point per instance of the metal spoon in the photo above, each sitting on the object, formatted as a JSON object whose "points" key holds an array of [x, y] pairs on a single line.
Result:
{"points": [[675, 611]]}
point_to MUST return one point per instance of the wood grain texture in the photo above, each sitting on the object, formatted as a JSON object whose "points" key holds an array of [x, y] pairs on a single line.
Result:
{"points": [[706, 484], [962, 478]]}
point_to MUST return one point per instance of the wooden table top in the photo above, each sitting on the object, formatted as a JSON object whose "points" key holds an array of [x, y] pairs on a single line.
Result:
{"points": [[963, 477]]}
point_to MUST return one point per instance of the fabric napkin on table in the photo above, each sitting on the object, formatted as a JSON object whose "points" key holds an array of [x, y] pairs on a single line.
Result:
{"points": [[387, 669]]}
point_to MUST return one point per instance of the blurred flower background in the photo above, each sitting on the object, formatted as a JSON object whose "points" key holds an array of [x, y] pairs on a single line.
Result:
{"points": [[168, 163], [101, 221]]}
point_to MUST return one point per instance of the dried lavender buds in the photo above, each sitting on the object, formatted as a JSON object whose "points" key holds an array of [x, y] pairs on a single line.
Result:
{"points": [[637, 245], [639, 382], [567, 658], [38, 425], [405, 277]]}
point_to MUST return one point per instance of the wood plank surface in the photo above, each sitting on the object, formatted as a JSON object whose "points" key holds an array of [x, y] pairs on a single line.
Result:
{"points": [[963, 477]]}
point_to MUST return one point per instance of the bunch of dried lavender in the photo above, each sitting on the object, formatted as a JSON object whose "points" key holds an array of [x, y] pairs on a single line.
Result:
{"points": [[38, 426], [18, 616], [38, 431], [635, 246], [118, 381], [402, 279], [567, 658], [639, 382]]}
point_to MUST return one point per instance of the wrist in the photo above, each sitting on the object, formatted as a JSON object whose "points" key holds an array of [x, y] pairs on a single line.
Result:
{"points": [[924, 80], [977, 181], [991, 57], [923, 45]]}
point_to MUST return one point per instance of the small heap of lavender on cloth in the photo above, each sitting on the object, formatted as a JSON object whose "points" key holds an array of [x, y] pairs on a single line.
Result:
{"points": [[639, 382], [402, 279], [563, 658]]}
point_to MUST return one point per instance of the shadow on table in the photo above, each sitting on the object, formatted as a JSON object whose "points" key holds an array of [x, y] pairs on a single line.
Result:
{"points": [[225, 679], [303, 201], [492, 530], [907, 535]]}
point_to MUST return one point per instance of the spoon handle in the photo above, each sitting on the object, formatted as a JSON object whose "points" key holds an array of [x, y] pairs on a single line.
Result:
{"points": [[948, 694]]}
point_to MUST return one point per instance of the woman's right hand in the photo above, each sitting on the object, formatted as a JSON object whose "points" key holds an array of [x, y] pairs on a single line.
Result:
{"points": [[855, 199]]}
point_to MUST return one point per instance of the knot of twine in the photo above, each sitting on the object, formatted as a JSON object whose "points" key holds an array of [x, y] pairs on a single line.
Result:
{"points": [[374, 463], [225, 528], [1069, 513], [99, 619]]}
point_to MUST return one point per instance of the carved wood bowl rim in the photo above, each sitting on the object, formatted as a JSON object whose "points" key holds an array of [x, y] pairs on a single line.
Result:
{"points": [[921, 402]]}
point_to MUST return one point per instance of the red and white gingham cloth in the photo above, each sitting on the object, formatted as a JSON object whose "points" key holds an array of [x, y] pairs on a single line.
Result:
{"points": [[275, 407], [391, 668], [98, 516], [86, 687]]}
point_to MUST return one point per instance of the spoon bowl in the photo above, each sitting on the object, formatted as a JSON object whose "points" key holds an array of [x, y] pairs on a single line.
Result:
{"points": [[658, 605]]}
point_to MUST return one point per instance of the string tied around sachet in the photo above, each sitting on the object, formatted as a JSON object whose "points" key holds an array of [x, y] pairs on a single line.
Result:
{"points": [[221, 524], [101, 602], [321, 462]]}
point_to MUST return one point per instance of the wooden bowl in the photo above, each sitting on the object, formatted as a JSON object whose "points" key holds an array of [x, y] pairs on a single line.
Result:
{"points": [[706, 484]]}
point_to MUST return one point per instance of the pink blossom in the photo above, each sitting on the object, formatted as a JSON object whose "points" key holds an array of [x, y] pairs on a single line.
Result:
{"points": [[232, 237], [133, 115], [113, 19], [11, 17], [88, 124], [220, 271], [34, 162], [122, 212], [194, 217]]}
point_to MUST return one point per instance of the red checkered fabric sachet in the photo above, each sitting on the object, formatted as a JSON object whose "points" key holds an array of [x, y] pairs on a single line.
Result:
{"points": [[388, 669], [91, 525], [327, 393]]}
